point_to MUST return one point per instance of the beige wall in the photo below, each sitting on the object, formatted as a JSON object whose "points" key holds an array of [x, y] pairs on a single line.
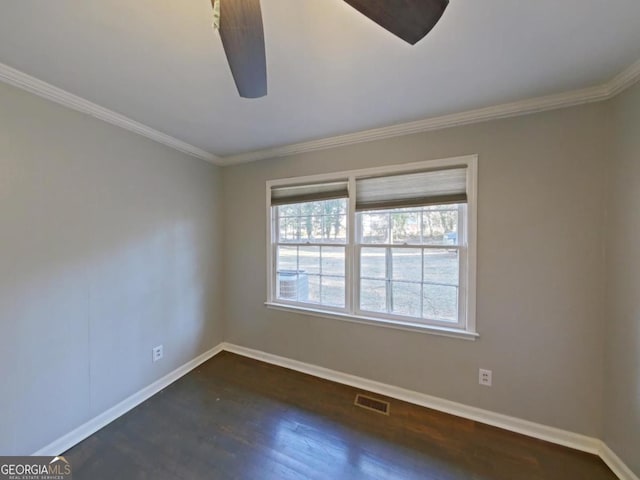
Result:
{"points": [[109, 245], [622, 312], [540, 271]]}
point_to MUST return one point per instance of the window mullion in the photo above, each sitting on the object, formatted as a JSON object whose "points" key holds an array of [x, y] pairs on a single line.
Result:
{"points": [[320, 270], [297, 272], [352, 277], [274, 238], [422, 283], [389, 265], [462, 265], [389, 270]]}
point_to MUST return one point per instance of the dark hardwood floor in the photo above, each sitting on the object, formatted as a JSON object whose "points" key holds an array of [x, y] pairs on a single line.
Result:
{"points": [[237, 418]]}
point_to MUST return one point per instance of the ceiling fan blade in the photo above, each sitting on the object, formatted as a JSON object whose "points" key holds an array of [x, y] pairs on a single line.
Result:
{"points": [[242, 37], [410, 20]]}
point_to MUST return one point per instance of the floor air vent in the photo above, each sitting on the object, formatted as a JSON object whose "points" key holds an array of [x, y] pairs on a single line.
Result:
{"points": [[372, 404]]}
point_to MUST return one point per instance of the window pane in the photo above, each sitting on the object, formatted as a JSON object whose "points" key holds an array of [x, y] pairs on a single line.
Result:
{"points": [[333, 291], [440, 225], [334, 207], [314, 289], [405, 227], [292, 283], [287, 258], [305, 229], [309, 259], [406, 299], [310, 208], [373, 295], [373, 263], [375, 227], [407, 264], [333, 261], [324, 220], [289, 210], [293, 286], [440, 303], [334, 222], [441, 266], [288, 229], [335, 229], [317, 231]]}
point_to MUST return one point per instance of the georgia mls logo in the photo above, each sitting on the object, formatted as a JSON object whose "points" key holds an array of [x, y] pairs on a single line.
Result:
{"points": [[34, 468]]}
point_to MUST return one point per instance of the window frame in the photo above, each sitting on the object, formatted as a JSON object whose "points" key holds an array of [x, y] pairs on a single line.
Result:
{"points": [[466, 327], [387, 247], [275, 244]]}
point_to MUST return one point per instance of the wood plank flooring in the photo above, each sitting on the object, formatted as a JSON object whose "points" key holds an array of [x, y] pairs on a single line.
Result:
{"points": [[237, 418]]}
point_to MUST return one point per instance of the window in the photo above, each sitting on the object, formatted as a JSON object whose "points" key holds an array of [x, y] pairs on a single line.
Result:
{"points": [[390, 246], [311, 243], [410, 262]]}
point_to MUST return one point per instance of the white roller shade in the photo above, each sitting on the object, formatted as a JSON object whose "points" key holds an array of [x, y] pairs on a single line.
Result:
{"points": [[309, 193], [412, 189]]}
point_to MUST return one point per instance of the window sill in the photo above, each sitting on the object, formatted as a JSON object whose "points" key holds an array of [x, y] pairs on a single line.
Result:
{"points": [[387, 323]]}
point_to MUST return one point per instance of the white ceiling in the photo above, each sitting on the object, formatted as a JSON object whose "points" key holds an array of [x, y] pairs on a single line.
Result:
{"points": [[330, 70]]}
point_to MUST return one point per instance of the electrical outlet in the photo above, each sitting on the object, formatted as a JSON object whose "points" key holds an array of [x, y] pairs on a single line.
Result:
{"points": [[485, 377], [157, 353]]}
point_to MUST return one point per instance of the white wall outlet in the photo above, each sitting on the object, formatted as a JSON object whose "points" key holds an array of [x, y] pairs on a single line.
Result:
{"points": [[485, 377], [157, 353]]}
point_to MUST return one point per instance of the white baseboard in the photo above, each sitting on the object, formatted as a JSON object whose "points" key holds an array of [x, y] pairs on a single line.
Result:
{"points": [[513, 424], [74, 437], [616, 465], [525, 427]]}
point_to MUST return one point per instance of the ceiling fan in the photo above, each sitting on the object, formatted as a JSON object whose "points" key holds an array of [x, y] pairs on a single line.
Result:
{"points": [[240, 25]]}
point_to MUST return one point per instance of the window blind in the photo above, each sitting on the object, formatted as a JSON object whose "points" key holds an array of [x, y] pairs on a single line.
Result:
{"points": [[309, 193], [412, 189]]}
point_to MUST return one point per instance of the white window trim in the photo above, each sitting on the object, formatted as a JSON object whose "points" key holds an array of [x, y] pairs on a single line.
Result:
{"points": [[467, 331]]}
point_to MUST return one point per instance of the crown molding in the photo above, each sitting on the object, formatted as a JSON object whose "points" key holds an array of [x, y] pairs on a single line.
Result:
{"points": [[523, 107], [623, 80], [31, 84], [598, 93], [605, 91]]}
